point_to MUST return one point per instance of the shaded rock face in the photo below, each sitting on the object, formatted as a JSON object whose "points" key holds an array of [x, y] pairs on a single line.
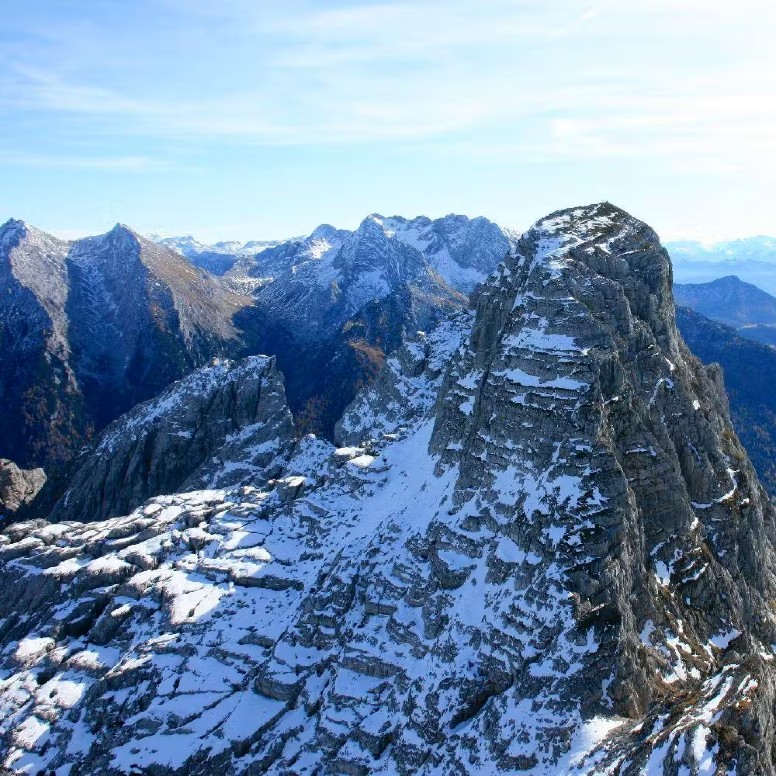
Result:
{"points": [[42, 421], [18, 487], [324, 377], [749, 375], [551, 556], [221, 425], [90, 328]]}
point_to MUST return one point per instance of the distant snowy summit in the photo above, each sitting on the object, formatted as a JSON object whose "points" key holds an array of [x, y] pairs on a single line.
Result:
{"points": [[218, 257], [462, 250]]}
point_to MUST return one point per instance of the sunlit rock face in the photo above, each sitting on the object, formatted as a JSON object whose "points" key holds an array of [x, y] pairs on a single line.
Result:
{"points": [[540, 548]]}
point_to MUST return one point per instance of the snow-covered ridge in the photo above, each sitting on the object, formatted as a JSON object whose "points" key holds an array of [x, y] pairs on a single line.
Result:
{"points": [[461, 250], [536, 561], [190, 247]]}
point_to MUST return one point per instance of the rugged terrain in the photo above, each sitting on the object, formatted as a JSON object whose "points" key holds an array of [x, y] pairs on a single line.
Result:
{"points": [[750, 374], [334, 305], [90, 328], [225, 424], [554, 557]]}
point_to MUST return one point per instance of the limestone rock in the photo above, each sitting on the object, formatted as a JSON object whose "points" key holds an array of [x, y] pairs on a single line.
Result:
{"points": [[222, 425], [18, 487], [559, 561]]}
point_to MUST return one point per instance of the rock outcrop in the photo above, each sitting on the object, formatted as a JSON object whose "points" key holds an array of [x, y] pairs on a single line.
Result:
{"points": [[562, 563], [749, 375], [18, 487], [222, 425]]}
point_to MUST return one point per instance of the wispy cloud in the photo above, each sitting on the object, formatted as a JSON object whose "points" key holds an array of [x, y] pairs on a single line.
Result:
{"points": [[681, 86], [139, 164]]}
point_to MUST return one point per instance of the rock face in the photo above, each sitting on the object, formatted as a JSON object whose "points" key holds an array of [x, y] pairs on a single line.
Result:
{"points": [[564, 563], [750, 374], [90, 328], [221, 425], [18, 487]]}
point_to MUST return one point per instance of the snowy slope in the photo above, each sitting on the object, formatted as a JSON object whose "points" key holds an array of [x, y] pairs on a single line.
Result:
{"points": [[554, 557], [462, 251]]}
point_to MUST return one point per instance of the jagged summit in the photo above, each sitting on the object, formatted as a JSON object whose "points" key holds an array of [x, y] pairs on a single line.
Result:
{"points": [[555, 558], [586, 245], [13, 224]]}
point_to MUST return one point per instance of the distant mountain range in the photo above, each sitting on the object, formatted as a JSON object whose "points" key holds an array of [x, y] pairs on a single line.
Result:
{"points": [[729, 300], [753, 259], [91, 327], [218, 257], [331, 305]]}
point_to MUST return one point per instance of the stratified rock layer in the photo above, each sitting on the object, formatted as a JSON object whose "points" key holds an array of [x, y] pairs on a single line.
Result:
{"points": [[562, 564]]}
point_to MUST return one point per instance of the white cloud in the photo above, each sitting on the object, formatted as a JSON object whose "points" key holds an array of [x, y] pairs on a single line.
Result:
{"points": [[686, 82]]}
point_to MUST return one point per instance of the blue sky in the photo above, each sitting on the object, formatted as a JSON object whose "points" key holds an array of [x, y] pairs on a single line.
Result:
{"points": [[251, 119]]}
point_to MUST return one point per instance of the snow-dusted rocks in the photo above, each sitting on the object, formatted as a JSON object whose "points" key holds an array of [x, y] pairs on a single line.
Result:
{"points": [[345, 300], [219, 257], [462, 251], [560, 561], [223, 425]]}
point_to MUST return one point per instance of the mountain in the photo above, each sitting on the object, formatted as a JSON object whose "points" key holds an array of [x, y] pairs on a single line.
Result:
{"points": [[217, 258], [750, 374], [731, 301], [224, 424], [753, 259], [728, 300], [334, 305], [462, 251], [90, 328], [549, 554]]}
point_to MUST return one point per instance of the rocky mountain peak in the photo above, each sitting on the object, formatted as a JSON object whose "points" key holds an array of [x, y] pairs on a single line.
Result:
{"points": [[11, 231], [323, 232], [554, 558]]}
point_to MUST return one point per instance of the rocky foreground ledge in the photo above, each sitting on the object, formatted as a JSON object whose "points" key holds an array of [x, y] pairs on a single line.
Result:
{"points": [[554, 558]]}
